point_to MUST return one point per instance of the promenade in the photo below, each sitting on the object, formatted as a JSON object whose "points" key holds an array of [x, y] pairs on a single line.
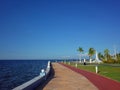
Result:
{"points": [[66, 79], [102, 83]]}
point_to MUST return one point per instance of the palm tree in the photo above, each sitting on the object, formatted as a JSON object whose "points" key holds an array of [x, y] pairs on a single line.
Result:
{"points": [[106, 54], [80, 50], [100, 55], [91, 52]]}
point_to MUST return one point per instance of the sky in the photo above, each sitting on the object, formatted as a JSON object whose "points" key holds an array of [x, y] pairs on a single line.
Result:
{"points": [[54, 29]]}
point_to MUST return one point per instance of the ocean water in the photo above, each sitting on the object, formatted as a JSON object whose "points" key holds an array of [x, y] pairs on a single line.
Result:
{"points": [[16, 72]]}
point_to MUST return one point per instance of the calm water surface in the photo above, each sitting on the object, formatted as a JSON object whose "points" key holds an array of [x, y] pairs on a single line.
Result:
{"points": [[16, 72]]}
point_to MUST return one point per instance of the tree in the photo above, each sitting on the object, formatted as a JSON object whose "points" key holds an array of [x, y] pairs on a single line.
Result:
{"points": [[80, 50], [91, 52], [106, 54], [118, 56], [100, 55]]}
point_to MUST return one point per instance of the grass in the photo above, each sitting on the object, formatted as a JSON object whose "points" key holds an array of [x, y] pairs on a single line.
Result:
{"points": [[108, 70]]}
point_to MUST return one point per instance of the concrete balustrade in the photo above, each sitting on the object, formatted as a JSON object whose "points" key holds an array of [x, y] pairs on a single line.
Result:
{"points": [[32, 84]]}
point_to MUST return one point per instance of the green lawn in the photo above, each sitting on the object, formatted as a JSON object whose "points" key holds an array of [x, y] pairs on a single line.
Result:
{"points": [[108, 70]]}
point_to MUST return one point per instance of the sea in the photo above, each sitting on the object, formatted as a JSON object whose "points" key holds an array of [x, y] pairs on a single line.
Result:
{"points": [[16, 72]]}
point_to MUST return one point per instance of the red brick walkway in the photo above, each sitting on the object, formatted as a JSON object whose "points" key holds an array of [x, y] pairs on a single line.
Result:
{"points": [[100, 82]]}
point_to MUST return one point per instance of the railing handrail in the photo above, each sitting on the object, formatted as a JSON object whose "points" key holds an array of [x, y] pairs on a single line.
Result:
{"points": [[31, 84]]}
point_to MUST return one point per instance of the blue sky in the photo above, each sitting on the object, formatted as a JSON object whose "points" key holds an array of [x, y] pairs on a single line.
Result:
{"points": [[49, 29]]}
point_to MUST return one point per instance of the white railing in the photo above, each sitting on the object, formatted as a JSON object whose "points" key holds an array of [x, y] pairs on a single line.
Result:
{"points": [[32, 84]]}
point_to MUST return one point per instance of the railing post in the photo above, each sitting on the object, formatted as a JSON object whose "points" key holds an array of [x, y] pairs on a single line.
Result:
{"points": [[96, 69]]}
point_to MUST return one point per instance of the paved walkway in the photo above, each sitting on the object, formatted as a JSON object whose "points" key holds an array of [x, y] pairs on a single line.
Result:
{"points": [[100, 82], [66, 79]]}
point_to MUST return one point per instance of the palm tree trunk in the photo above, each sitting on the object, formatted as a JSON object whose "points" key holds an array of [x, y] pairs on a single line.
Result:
{"points": [[90, 60], [80, 58]]}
